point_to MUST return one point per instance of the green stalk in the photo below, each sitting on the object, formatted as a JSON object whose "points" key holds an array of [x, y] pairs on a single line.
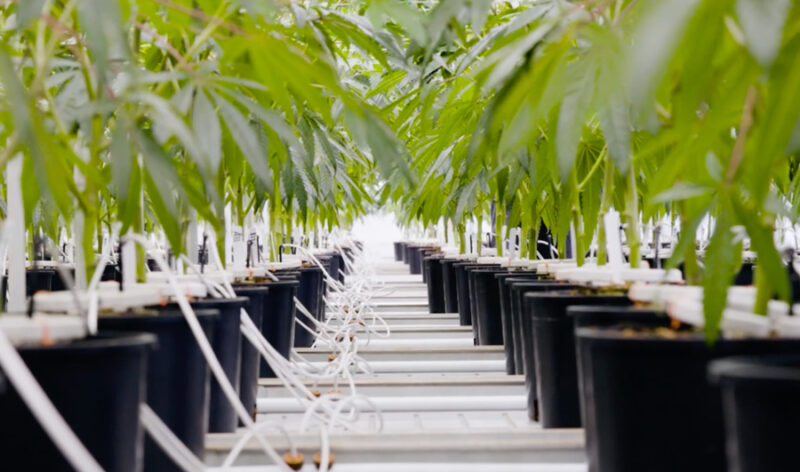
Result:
{"points": [[632, 213], [446, 233], [287, 218], [272, 245], [499, 219], [533, 241], [763, 292], [577, 225], [691, 268], [478, 233], [462, 238], [605, 204]]}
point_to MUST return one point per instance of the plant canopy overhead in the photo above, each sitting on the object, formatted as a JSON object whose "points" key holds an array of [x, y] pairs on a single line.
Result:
{"points": [[137, 114]]}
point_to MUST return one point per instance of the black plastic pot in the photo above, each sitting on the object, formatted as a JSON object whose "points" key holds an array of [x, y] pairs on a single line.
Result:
{"points": [[745, 274], [96, 384], [651, 399], [39, 280], [326, 261], [309, 292], [518, 288], [435, 283], [59, 284], [524, 350], [424, 253], [605, 316], [462, 292], [486, 307], [337, 264], [248, 381], [398, 251], [227, 344], [554, 353], [279, 319], [761, 411], [177, 378], [450, 285], [413, 259], [472, 291], [35, 280], [505, 312], [342, 271]]}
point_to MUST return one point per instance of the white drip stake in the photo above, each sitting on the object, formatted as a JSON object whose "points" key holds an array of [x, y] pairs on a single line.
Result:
{"points": [[611, 224], [16, 237]]}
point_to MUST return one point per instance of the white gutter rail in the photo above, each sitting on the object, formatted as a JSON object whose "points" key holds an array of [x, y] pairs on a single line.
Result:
{"points": [[604, 275]]}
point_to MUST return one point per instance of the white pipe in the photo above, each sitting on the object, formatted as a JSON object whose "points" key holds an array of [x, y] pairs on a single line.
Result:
{"points": [[412, 404], [169, 443]]}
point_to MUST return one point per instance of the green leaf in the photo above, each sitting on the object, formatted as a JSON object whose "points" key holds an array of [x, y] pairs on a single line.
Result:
{"points": [[121, 161], [681, 191], [159, 178], [102, 22], [762, 23], [616, 126], [207, 128], [571, 118], [653, 42], [246, 138], [27, 11], [770, 264]]}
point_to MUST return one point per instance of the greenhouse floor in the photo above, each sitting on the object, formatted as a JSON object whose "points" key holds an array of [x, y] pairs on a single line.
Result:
{"points": [[445, 404]]}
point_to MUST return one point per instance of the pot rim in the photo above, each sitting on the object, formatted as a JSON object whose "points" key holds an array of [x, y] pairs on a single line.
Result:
{"points": [[272, 283], [570, 293], [164, 316], [768, 367], [614, 334], [612, 309], [220, 301], [101, 340]]}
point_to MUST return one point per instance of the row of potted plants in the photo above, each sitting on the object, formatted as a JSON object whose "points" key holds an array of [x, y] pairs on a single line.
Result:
{"points": [[97, 383], [636, 377], [678, 116]]}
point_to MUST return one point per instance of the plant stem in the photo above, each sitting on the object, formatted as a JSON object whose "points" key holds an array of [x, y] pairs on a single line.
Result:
{"points": [[763, 292], [480, 230], [462, 238], [499, 219], [632, 213], [577, 224], [533, 240], [741, 136], [605, 204]]}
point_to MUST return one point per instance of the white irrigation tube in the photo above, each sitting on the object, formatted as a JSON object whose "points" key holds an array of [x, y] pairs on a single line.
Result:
{"points": [[242, 441], [208, 352], [253, 335], [43, 409], [169, 443]]}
